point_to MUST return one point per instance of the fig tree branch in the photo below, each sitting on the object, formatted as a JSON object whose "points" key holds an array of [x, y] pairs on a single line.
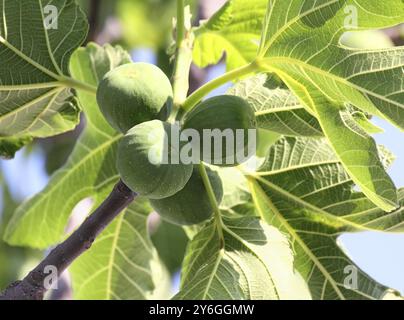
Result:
{"points": [[33, 286], [183, 55]]}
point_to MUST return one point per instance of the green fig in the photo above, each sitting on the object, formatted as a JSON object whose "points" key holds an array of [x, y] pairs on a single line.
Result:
{"points": [[134, 93], [191, 205], [220, 116], [145, 161]]}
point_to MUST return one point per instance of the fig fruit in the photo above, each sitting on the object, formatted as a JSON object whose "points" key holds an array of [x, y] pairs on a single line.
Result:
{"points": [[227, 129], [190, 205], [145, 161], [134, 93]]}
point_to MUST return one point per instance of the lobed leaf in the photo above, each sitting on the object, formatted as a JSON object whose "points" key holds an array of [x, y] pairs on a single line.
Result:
{"points": [[304, 49], [300, 42], [35, 99], [276, 108], [255, 262], [305, 191]]}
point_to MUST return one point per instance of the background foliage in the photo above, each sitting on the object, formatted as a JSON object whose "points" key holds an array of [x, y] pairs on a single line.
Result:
{"points": [[320, 148]]}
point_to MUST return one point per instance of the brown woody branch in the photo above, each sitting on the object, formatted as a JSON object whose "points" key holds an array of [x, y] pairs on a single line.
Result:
{"points": [[33, 287]]}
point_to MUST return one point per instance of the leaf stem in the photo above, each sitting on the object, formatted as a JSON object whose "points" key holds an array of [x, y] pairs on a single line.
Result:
{"points": [[78, 85], [203, 91], [212, 200], [264, 34]]}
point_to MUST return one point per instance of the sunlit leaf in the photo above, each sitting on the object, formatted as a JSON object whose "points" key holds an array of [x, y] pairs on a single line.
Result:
{"points": [[305, 191], [300, 42], [35, 99], [276, 107], [304, 50], [255, 263], [122, 263]]}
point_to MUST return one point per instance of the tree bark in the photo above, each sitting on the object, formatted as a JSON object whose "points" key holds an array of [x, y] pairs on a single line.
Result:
{"points": [[34, 286]]}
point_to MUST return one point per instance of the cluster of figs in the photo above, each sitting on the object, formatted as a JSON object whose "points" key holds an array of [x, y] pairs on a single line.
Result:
{"points": [[136, 99]]}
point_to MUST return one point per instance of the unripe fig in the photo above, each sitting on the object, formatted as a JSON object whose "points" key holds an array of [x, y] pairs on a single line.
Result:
{"points": [[134, 93], [190, 205], [145, 161], [230, 121]]}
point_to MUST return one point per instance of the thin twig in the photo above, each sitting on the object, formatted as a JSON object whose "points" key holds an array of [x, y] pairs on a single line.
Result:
{"points": [[94, 11]]}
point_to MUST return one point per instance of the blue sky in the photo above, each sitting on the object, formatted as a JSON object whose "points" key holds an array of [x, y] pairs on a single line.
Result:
{"points": [[380, 255]]}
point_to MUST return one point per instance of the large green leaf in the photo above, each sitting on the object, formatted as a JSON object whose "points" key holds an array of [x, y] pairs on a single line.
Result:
{"points": [[90, 170], [304, 50], [300, 42], [276, 108], [252, 261], [304, 190], [122, 263], [279, 110], [35, 99]]}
